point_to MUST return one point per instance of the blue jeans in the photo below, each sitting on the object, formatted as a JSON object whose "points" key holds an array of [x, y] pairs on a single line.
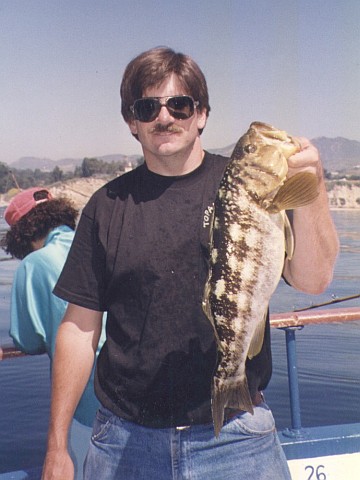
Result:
{"points": [[247, 448]]}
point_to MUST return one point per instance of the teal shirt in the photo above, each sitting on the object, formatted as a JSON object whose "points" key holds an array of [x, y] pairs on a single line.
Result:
{"points": [[36, 312]]}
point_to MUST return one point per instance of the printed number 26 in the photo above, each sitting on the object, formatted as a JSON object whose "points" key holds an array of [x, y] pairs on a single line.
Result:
{"points": [[316, 474]]}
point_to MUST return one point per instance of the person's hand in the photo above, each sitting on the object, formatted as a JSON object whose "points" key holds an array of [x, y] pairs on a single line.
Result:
{"points": [[307, 160], [58, 466]]}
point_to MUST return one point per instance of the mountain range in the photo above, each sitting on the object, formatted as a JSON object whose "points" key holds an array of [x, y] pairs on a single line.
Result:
{"points": [[338, 155]]}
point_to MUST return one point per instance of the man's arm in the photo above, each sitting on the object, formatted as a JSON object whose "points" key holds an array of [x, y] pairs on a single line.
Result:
{"points": [[310, 270], [76, 344]]}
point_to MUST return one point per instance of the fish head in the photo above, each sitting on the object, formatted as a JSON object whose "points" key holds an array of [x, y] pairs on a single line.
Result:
{"points": [[261, 157]]}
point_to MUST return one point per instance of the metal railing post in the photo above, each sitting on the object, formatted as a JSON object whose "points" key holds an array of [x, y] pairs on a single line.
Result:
{"points": [[296, 429]]}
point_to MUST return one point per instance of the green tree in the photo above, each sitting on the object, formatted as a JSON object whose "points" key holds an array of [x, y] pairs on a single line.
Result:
{"points": [[4, 177], [57, 174], [90, 166]]}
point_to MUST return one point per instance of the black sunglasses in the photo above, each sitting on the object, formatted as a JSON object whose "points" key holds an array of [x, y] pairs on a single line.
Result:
{"points": [[180, 107]]}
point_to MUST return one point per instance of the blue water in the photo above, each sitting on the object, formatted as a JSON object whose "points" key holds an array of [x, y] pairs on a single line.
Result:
{"points": [[328, 365]]}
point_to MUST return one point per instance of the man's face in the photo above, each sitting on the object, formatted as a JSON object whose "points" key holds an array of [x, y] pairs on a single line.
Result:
{"points": [[167, 136]]}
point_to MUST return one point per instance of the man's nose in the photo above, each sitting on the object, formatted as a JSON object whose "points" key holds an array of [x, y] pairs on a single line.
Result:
{"points": [[164, 115]]}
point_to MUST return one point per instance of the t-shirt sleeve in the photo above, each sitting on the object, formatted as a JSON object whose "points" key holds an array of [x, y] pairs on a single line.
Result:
{"points": [[82, 280]]}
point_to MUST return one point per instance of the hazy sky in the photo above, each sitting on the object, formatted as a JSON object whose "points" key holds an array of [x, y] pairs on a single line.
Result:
{"points": [[291, 63]]}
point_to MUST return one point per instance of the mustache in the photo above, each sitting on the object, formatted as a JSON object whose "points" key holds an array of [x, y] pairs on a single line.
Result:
{"points": [[170, 128]]}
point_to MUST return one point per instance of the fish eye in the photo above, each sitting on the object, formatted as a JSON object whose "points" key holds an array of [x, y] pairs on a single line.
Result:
{"points": [[250, 148]]}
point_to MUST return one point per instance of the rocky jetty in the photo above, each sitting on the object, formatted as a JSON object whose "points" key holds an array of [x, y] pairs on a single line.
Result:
{"points": [[343, 194], [78, 190]]}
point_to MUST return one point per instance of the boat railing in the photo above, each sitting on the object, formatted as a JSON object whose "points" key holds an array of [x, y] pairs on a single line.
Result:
{"points": [[289, 322]]}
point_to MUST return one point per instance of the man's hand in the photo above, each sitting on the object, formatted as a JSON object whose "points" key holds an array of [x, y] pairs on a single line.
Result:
{"points": [[58, 466], [307, 160]]}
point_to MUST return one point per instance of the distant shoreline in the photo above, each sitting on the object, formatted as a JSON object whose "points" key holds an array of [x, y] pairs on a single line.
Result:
{"points": [[345, 209], [79, 190]]}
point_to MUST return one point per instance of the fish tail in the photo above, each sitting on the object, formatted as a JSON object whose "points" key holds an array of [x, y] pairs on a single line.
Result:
{"points": [[236, 396]]}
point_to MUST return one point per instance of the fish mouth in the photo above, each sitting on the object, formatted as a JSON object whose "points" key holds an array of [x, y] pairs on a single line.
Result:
{"points": [[270, 133]]}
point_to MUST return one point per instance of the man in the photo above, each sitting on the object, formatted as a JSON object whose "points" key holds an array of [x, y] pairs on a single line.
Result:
{"points": [[141, 253], [41, 232]]}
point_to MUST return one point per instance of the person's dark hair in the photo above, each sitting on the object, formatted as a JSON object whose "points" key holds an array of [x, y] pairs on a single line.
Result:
{"points": [[152, 67], [36, 225]]}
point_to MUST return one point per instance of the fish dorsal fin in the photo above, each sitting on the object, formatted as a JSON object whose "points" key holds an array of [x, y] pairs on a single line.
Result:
{"points": [[289, 237], [297, 191], [257, 338]]}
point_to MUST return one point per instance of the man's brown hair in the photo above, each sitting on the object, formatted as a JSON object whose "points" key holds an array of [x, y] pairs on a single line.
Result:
{"points": [[152, 67]]}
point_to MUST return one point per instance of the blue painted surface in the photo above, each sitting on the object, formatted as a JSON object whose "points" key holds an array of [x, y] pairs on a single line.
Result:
{"points": [[322, 441], [31, 474]]}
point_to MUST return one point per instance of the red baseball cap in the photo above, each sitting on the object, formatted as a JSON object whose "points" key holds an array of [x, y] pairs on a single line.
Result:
{"points": [[25, 201]]}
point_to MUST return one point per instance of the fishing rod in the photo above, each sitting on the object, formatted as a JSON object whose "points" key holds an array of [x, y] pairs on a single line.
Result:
{"points": [[330, 302]]}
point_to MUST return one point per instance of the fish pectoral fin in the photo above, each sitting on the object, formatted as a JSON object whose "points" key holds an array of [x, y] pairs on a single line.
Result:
{"points": [[257, 339], [289, 237], [297, 191], [236, 396]]}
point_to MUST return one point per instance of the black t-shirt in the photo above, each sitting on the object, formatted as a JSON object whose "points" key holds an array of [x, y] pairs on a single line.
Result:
{"points": [[141, 253]]}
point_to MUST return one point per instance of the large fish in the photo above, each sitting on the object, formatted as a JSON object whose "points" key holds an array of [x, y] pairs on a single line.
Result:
{"points": [[250, 235]]}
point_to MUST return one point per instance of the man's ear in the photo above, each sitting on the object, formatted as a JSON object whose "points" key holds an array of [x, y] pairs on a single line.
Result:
{"points": [[132, 126], [201, 120]]}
